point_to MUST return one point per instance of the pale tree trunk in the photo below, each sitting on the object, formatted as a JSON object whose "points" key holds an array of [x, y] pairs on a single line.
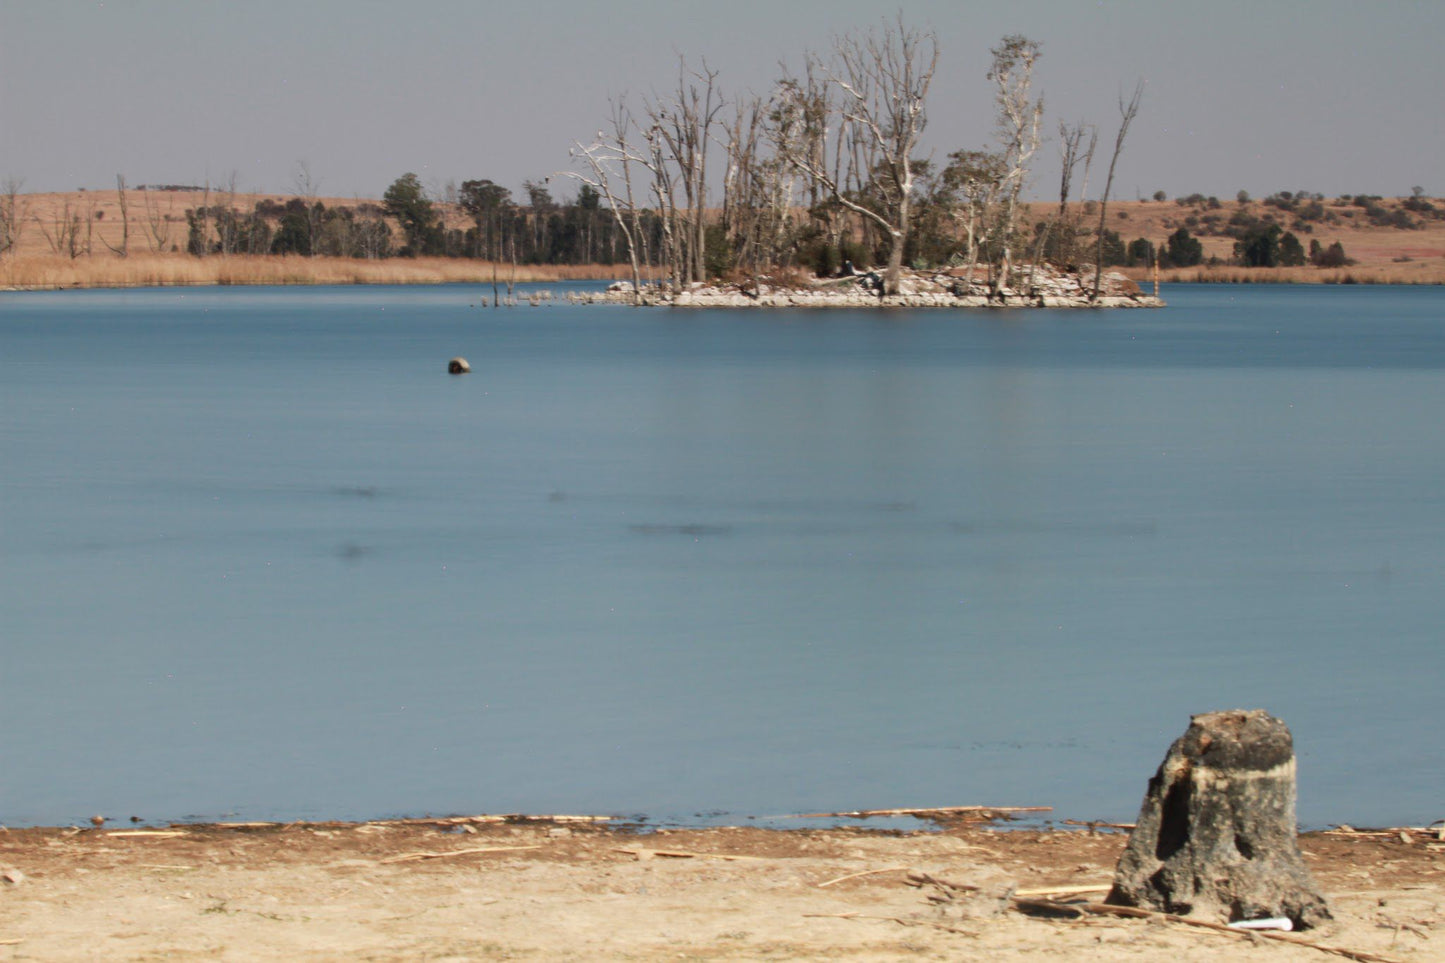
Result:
{"points": [[158, 223], [1018, 128], [884, 79], [1127, 113], [611, 160], [124, 248], [12, 215]]}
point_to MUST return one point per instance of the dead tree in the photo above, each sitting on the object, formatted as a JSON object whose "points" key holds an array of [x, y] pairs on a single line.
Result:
{"points": [[1215, 836], [12, 215], [63, 231], [124, 248], [1018, 131], [883, 79], [610, 160], [682, 133], [306, 188], [1072, 152], [158, 222], [1127, 113]]}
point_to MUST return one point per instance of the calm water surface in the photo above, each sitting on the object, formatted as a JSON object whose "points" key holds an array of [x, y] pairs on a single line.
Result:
{"points": [[260, 557]]}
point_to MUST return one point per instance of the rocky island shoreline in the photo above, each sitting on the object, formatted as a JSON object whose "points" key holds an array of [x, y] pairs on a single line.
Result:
{"points": [[1034, 288]]}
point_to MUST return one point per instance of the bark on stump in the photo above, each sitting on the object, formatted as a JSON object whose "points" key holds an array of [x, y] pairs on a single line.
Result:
{"points": [[1216, 834]]}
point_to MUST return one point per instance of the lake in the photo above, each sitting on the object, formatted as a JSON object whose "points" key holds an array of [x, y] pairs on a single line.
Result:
{"points": [[262, 558]]}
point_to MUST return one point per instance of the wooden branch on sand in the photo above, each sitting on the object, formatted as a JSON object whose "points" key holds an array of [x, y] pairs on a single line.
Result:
{"points": [[915, 811], [891, 919], [866, 872], [413, 857], [681, 854], [1080, 910], [1062, 890]]}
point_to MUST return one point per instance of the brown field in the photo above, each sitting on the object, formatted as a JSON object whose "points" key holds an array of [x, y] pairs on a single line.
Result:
{"points": [[1382, 255], [150, 262]]}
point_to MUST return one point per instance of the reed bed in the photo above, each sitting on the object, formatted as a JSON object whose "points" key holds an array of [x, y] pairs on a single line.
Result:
{"points": [[171, 270], [1417, 272]]}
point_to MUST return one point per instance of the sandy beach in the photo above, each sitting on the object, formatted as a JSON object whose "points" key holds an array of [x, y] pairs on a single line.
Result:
{"points": [[490, 888]]}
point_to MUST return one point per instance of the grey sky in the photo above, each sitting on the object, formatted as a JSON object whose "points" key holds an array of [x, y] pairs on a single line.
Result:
{"points": [[1337, 96]]}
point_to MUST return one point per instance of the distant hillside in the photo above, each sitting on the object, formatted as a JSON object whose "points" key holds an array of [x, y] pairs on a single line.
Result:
{"points": [[1397, 239]]}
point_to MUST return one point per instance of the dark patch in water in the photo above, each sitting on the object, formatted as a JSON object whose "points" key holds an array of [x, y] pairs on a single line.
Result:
{"points": [[689, 529], [896, 507], [356, 491], [1028, 527], [352, 552]]}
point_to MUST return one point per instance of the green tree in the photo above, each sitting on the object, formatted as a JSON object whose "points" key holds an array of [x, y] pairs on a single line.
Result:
{"points": [[1259, 247], [1182, 249], [1140, 251], [406, 201], [486, 202], [1291, 252]]}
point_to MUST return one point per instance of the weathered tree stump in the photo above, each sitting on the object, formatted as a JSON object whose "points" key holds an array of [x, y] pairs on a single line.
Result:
{"points": [[458, 366], [1216, 834]]}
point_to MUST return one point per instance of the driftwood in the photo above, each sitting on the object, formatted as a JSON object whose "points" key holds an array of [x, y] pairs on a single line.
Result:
{"points": [[935, 811], [891, 919], [1093, 824], [1042, 891], [681, 854], [413, 857], [1081, 910], [866, 872], [154, 833]]}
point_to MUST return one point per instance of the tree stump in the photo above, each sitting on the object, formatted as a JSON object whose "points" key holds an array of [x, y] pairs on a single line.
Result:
{"points": [[1216, 834]]}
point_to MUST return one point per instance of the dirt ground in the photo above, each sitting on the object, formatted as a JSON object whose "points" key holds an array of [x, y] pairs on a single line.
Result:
{"points": [[488, 888]]}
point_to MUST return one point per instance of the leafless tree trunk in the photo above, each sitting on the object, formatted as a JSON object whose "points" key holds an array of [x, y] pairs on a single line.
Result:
{"points": [[1018, 130], [227, 221], [63, 232], [884, 78], [610, 160], [684, 128], [158, 223], [1127, 113], [124, 248], [12, 214], [1071, 153], [307, 187]]}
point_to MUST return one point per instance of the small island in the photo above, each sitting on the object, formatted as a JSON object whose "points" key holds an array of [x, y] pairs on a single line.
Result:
{"points": [[1043, 287]]}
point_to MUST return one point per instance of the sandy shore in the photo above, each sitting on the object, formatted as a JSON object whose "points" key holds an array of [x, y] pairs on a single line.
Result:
{"points": [[560, 890]]}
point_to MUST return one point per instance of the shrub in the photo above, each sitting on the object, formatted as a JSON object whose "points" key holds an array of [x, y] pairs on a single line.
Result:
{"points": [[1183, 250], [1330, 257]]}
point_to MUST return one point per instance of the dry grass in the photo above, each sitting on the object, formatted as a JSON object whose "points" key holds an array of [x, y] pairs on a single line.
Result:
{"points": [[1418, 272], [1382, 255], [167, 270]]}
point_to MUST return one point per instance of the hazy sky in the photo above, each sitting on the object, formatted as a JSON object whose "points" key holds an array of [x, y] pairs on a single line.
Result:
{"points": [[1337, 96]]}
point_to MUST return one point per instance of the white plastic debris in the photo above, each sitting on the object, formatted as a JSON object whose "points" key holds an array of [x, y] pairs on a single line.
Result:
{"points": [[1274, 923]]}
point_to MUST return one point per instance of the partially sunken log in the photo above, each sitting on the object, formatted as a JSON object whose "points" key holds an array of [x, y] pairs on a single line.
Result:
{"points": [[1216, 834], [458, 366]]}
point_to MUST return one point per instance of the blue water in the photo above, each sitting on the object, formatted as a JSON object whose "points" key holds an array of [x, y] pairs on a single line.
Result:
{"points": [[261, 557]]}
